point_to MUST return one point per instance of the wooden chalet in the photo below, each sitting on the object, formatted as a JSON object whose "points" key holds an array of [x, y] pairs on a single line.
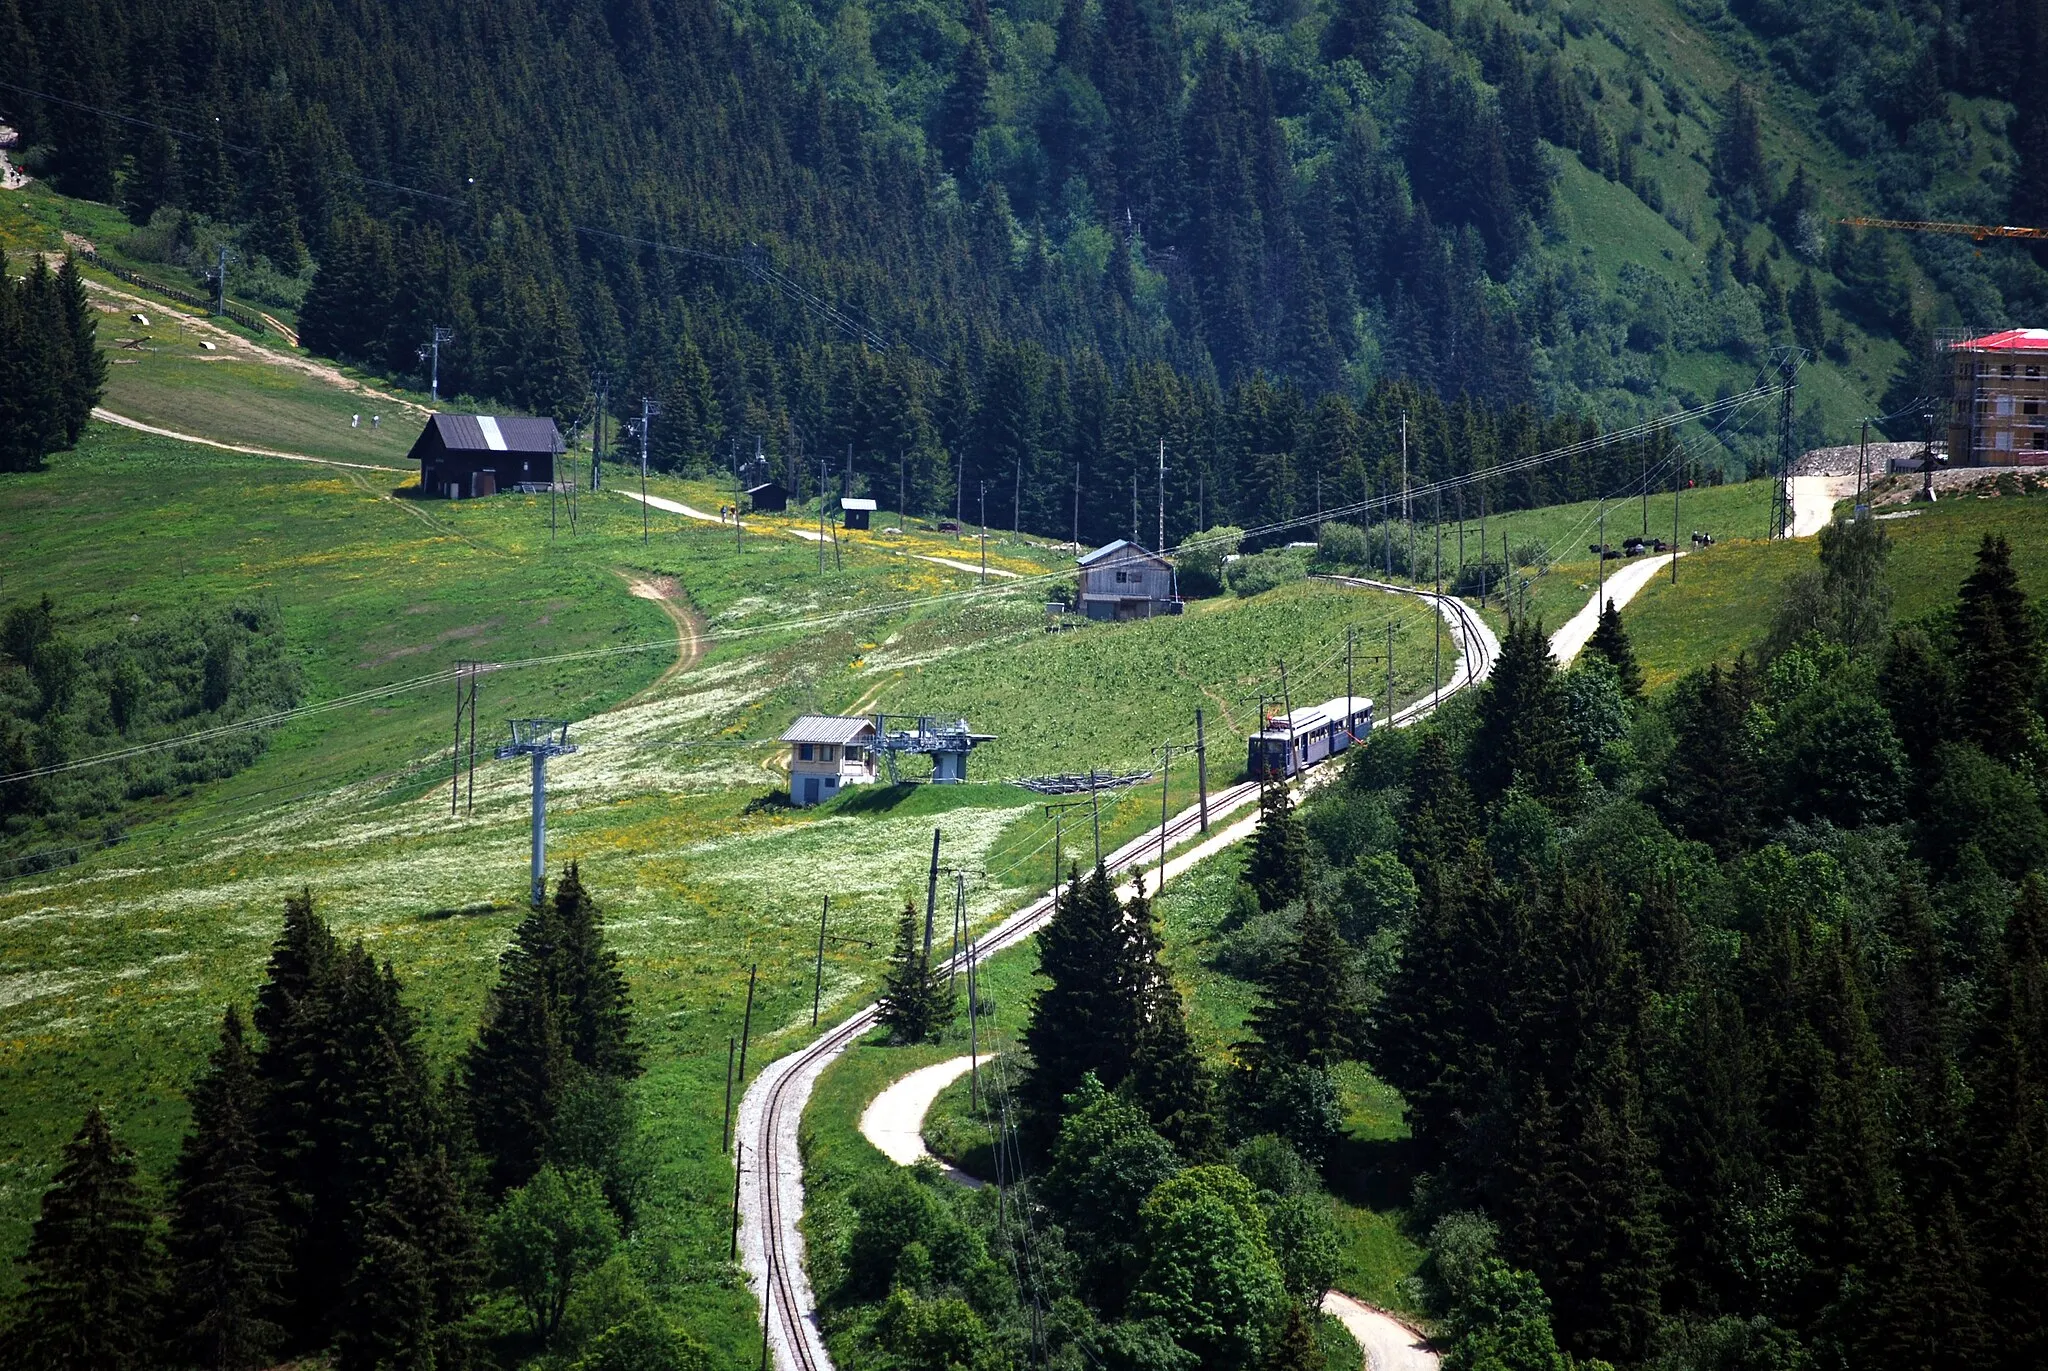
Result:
{"points": [[464, 456]]}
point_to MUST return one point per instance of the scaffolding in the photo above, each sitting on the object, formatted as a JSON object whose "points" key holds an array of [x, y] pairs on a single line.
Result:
{"points": [[1998, 396]]}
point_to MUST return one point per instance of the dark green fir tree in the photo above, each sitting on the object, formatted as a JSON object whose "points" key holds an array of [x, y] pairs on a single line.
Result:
{"points": [[1308, 1011], [91, 1279], [1277, 869], [916, 1001], [227, 1250], [1087, 1018], [1610, 640]]}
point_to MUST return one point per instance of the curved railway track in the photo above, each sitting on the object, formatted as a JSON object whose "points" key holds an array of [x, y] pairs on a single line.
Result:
{"points": [[771, 1109]]}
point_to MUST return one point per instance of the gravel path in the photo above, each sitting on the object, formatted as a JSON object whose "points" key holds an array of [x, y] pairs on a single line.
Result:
{"points": [[894, 1121], [1621, 587], [1814, 499], [1389, 1344], [109, 417], [771, 1109]]}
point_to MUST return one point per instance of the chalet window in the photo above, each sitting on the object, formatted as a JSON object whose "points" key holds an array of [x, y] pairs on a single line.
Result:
{"points": [[827, 752], [1121, 578], [2041, 438], [803, 752]]}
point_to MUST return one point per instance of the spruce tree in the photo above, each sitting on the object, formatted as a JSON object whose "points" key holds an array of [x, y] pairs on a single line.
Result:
{"points": [[597, 1005], [1277, 869], [1524, 737], [1713, 788], [964, 109], [916, 1003], [86, 373], [1809, 320], [227, 1250], [1610, 640], [91, 1277], [1998, 654], [1087, 1018], [1168, 1078], [1308, 1013], [1295, 1347], [2007, 1159]]}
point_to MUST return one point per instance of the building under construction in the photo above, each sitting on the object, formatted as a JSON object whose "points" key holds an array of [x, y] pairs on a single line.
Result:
{"points": [[1999, 410]]}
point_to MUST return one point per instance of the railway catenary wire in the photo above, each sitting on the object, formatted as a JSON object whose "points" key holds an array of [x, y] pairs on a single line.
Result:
{"points": [[835, 618], [771, 1108]]}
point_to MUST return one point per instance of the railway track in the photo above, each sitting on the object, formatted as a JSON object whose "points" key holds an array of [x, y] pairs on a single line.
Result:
{"points": [[771, 1109]]}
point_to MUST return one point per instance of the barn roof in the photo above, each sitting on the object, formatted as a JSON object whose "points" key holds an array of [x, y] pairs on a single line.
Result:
{"points": [[855, 502], [495, 433], [1123, 549], [827, 728], [2007, 340], [765, 485]]}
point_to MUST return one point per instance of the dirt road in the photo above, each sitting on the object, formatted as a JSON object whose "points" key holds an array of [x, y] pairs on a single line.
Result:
{"points": [[1621, 587]]}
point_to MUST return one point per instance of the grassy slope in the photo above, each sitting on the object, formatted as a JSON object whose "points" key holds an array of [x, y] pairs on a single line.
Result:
{"points": [[114, 970], [1724, 600]]}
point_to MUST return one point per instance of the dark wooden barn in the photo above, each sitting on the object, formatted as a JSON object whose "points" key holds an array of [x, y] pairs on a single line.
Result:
{"points": [[463, 456], [770, 497], [855, 512]]}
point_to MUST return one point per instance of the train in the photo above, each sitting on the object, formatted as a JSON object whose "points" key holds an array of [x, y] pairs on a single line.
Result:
{"points": [[1291, 743]]}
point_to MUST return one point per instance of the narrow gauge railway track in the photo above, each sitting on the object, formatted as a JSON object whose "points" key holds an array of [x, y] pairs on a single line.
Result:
{"points": [[771, 1109]]}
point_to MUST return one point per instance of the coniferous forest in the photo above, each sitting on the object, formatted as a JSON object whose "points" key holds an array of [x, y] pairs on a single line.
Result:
{"points": [[1015, 246], [51, 370], [333, 1196], [1719, 1021]]}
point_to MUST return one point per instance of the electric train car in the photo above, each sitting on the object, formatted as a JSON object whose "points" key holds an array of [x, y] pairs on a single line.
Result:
{"points": [[1291, 743]]}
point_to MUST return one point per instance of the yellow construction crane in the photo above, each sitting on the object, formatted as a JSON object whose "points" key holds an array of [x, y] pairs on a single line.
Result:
{"points": [[1977, 231]]}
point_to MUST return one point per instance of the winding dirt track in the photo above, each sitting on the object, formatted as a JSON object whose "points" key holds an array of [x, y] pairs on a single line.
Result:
{"points": [[771, 1110]]}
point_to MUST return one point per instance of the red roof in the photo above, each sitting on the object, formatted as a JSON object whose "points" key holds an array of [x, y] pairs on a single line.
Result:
{"points": [[2007, 340]]}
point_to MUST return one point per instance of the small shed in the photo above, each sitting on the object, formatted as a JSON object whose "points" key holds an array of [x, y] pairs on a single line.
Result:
{"points": [[827, 752], [463, 456], [1124, 581], [770, 497], [855, 512]]}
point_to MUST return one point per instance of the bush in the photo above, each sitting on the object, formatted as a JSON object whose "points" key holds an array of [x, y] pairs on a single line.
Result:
{"points": [[1264, 571], [1341, 545], [1199, 562]]}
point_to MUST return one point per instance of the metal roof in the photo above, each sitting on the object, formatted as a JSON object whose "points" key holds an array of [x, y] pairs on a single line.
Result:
{"points": [[2006, 340], [1121, 549], [765, 485], [827, 728], [496, 433], [855, 502], [1312, 716]]}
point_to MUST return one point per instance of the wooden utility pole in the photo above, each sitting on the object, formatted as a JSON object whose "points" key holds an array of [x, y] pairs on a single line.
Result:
{"points": [[931, 899], [747, 1023], [738, 1166], [818, 981], [732, 1047], [1201, 771]]}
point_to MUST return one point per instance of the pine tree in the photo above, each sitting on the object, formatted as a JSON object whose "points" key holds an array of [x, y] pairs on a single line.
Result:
{"points": [[86, 375], [1610, 640], [2007, 1159], [1277, 869], [227, 1249], [1086, 1019], [597, 1005], [1168, 1078], [90, 1285], [1809, 319], [1308, 1012], [1998, 654], [916, 1002], [1524, 738], [1296, 1348], [964, 110], [1713, 789], [515, 1073]]}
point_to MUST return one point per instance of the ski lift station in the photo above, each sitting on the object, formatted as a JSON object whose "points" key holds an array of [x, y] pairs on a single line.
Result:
{"points": [[828, 752]]}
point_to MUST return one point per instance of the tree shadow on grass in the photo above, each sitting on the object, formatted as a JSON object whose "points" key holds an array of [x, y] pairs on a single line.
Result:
{"points": [[874, 799], [1373, 1173]]}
